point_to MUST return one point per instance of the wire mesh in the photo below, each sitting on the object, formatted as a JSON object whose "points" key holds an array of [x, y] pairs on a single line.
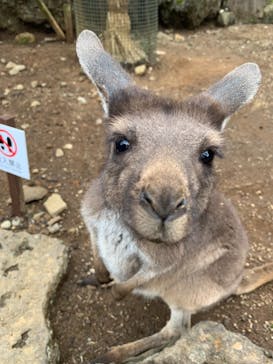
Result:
{"points": [[127, 28]]}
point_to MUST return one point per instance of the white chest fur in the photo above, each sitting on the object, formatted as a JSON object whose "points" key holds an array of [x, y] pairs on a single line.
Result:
{"points": [[115, 244]]}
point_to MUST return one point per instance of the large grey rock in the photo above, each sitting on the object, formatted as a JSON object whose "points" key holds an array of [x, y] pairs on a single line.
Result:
{"points": [[189, 13], [31, 267], [210, 343], [250, 11]]}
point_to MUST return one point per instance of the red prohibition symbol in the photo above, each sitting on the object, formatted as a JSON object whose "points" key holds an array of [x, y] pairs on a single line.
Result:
{"points": [[8, 146]]}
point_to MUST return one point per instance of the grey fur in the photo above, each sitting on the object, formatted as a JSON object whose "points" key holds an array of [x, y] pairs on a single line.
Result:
{"points": [[182, 239], [103, 71]]}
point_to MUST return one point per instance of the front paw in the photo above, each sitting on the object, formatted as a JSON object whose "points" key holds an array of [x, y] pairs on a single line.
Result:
{"points": [[118, 292]]}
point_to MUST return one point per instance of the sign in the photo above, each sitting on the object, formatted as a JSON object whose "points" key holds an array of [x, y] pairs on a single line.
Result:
{"points": [[13, 151]]}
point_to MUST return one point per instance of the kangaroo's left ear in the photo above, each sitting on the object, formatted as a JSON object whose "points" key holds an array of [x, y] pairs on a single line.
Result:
{"points": [[236, 89], [100, 67]]}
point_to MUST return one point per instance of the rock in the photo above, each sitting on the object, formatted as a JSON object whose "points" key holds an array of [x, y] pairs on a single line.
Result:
{"points": [[19, 87], [25, 38], [34, 84], [54, 220], [31, 267], [17, 221], [140, 70], [247, 11], [35, 103], [179, 37], [159, 52], [68, 146], [190, 13], [81, 100], [98, 121], [226, 18], [59, 153], [268, 14], [63, 84], [53, 229], [16, 69], [210, 342], [38, 215], [6, 225], [34, 193], [54, 205], [10, 65], [25, 126]]}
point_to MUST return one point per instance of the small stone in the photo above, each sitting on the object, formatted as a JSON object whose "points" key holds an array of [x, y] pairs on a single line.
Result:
{"points": [[179, 37], [160, 53], [25, 126], [34, 193], [63, 84], [68, 146], [17, 221], [6, 225], [59, 153], [53, 229], [6, 92], [98, 121], [25, 38], [16, 69], [54, 205], [81, 100], [140, 70], [54, 220], [63, 59], [2, 60], [10, 65], [35, 103], [34, 84], [35, 170], [5, 102], [19, 87], [38, 215]]}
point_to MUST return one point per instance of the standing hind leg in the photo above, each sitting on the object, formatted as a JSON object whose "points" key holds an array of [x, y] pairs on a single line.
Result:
{"points": [[178, 322]]}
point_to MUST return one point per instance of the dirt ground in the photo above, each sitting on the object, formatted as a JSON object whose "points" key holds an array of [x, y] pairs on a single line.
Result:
{"points": [[86, 321]]}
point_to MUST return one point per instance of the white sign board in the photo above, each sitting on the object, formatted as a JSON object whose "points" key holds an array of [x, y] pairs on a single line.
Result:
{"points": [[13, 151]]}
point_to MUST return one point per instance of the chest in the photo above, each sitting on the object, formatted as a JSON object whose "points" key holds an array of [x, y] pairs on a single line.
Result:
{"points": [[116, 245]]}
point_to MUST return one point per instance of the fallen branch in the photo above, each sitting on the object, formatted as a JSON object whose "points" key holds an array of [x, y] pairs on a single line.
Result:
{"points": [[51, 19]]}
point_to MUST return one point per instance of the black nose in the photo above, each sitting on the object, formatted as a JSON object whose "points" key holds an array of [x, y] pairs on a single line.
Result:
{"points": [[164, 204]]}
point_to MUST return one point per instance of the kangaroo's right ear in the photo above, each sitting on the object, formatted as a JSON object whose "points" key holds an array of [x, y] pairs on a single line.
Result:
{"points": [[107, 75]]}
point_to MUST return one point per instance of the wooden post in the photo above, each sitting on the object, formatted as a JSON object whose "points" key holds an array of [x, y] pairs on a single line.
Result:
{"points": [[68, 22], [15, 184]]}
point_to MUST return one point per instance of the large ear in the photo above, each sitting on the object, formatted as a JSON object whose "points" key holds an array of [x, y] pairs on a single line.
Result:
{"points": [[236, 89], [99, 66]]}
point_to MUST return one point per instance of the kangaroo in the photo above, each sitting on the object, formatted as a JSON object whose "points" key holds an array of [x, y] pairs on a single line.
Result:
{"points": [[158, 225]]}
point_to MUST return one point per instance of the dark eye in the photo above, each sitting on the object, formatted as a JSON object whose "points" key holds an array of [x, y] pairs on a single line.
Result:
{"points": [[122, 145], [207, 156]]}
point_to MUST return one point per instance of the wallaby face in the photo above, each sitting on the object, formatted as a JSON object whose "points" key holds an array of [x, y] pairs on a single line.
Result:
{"points": [[158, 225], [160, 161]]}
